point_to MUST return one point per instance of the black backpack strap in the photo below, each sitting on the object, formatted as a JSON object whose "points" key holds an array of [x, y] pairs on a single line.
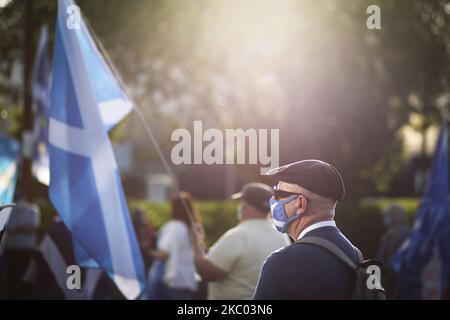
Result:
{"points": [[331, 248]]}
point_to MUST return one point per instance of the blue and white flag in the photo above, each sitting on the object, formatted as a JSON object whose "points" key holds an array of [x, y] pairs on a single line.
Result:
{"points": [[85, 186], [114, 105], [9, 155], [41, 105], [423, 261]]}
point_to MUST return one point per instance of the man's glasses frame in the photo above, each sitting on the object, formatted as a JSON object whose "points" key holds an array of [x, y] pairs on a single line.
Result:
{"points": [[282, 194]]}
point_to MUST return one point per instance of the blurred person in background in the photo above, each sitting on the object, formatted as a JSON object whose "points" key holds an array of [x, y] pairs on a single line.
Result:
{"points": [[233, 263], [172, 275], [397, 231], [145, 236]]}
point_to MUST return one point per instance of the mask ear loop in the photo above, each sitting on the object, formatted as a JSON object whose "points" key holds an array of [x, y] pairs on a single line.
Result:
{"points": [[287, 200], [296, 216]]}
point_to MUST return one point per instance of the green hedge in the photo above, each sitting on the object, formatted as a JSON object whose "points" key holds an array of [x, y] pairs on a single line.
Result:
{"points": [[217, 216], [362, 225], [360, 222], [410, 204]]}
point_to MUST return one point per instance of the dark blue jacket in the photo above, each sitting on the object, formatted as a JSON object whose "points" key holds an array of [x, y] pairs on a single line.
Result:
{"points": [[303, 271]]}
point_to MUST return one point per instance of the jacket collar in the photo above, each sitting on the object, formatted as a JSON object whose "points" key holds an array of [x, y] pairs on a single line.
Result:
{"points": [[317, 225]]}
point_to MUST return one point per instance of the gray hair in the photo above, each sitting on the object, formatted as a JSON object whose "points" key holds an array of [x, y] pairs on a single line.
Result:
{"points": [[317, 201]]}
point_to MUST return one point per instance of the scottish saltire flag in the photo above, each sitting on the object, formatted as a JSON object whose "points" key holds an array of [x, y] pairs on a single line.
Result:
{"points": [[9, 155], [113, 104], [423, 261], [41, 101], [85, 185]]}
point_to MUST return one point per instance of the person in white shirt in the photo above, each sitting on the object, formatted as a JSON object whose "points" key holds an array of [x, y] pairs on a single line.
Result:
{"points": [[233, 263], [172, 275]]}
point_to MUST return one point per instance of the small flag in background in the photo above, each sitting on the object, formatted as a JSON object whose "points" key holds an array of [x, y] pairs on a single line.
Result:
{"points": [[85, 186], [9, 155], [423, 261]]}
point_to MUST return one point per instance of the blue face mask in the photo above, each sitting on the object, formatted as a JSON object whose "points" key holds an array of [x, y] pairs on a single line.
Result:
{"points": [[279, 216]]}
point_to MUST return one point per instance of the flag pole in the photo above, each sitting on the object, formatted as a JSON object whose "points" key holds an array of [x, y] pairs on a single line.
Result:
{"points": [[27, 109]]}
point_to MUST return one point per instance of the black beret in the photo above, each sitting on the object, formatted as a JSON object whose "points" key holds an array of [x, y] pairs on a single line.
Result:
{"points": [[313, 175]]}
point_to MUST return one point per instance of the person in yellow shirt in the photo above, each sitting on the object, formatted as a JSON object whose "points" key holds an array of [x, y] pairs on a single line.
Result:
{"points": [[233, 263]]}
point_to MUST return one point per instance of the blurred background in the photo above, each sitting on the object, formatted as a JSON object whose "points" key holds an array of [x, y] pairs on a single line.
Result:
{"points": [[367, 101]]}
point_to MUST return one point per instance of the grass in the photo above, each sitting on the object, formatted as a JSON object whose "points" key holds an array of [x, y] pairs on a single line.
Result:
{"points": [[410, 204]]}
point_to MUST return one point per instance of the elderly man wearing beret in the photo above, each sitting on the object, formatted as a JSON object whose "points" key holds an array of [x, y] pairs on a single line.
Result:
{"points": [[302, 206]]}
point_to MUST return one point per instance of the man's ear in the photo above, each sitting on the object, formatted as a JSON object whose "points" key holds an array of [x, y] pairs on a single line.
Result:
{"points": [[302, 203]]}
